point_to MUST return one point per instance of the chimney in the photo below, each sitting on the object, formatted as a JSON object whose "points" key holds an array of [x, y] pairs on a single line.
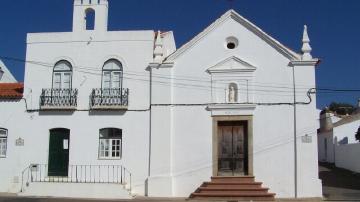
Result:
{"points": [[325, 120]]}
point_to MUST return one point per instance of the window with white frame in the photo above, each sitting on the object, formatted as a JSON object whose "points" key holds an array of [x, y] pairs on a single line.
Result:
{"points": [[110, 143], [62, 75], [112, 74], [3, 142]]}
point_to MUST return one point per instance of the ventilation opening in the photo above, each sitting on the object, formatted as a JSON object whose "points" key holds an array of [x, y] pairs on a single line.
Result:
{"points": [[231, 42], [90, 19], [230, 45]]}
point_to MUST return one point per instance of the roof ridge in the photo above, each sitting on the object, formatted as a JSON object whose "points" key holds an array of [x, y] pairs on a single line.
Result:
{"points": [[231, 13]]}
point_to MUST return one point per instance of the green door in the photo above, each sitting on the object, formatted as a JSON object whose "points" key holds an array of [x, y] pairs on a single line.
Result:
{"points": [[59, 152]]}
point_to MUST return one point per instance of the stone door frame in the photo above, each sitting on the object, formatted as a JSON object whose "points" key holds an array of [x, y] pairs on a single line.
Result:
{"points": [[249, 121]]}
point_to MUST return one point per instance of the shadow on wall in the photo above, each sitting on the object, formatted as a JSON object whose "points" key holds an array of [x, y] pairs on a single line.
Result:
{"points": [[91, 113], [345, 140], [56, 113], [107, 112]]}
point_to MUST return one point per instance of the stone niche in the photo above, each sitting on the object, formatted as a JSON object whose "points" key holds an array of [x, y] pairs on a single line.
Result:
{"points": [[231, 81]]}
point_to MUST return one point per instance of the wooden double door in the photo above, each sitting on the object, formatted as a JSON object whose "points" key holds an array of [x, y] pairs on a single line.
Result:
{"points": [[232, 148]]}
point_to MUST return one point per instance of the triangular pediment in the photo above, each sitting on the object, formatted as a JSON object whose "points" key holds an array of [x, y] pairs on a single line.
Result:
{"points": [[232, 64], [231, 14]]}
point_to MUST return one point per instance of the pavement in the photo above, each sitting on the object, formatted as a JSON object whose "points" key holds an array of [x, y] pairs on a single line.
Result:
{"points": [[14, 198], [339, 184]]}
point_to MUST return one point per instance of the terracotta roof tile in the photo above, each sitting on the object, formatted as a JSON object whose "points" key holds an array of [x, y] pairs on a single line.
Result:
{"points": [[11, 90]]}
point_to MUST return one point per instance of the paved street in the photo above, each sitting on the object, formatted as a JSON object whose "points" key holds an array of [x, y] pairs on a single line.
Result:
{"points": [[139, 199], [49, 199], [339, 184]]}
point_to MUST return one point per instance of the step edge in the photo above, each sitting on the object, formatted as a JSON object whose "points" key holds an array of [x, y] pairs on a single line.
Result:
{"points": [[248, 176], [232, 183], [229, 195], [272, 194], [239, 189]]}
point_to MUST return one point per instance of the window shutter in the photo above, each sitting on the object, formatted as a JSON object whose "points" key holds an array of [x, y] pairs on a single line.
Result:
{"points": [[106, 80], [57, 80], [116, 80], [66, 84], [3, 133]]}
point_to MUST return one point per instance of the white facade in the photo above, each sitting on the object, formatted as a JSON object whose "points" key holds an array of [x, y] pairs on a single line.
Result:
{"points": [[346, 156], [254, 60], [230, 70], [12, 114]]}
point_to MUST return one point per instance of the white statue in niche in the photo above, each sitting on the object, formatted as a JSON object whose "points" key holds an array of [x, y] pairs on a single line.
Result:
{"points": [[232, 93]]}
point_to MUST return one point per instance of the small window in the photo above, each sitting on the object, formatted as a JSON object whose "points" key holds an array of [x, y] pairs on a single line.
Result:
{"points": [[90, 18], [3, 142], [231, 43], [110, 143]]}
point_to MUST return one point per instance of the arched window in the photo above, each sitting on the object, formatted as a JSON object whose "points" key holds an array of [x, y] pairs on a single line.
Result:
{"points": [[112, 75], [110, 143], [3, 142], [62, 75], [233, 92], [90, 18]]}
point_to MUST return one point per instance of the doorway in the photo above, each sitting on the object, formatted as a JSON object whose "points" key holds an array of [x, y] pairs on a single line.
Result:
{"points": [[232, 145], [232, 148], [59, 152]]}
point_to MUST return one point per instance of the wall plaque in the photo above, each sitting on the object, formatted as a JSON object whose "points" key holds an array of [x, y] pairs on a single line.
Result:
{"points": [[19, 142], [306, 139]]}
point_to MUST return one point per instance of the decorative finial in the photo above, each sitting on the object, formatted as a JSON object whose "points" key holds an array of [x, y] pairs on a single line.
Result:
{"points": [[306, 48], [158, 51]]}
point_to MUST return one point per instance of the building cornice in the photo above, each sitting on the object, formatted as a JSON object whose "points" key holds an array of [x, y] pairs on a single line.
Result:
{"points": [[312, 62]]}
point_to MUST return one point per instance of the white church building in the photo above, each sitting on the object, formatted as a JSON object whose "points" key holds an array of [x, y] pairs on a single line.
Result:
{"points": [[117, 114]]}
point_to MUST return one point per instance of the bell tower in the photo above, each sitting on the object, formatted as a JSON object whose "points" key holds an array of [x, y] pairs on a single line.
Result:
{"points": [[90, 15]]}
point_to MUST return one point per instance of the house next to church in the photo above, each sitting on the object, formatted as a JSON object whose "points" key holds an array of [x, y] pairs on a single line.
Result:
{"points": [[117, 114], [337, 143]]}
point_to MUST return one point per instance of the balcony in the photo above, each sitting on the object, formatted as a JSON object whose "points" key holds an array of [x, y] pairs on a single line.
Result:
{"points": [[58, 99], [109, 99]]}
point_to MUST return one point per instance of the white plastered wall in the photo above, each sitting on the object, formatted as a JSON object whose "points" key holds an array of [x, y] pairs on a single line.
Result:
{"points": [[87, 52], [273, 125]]}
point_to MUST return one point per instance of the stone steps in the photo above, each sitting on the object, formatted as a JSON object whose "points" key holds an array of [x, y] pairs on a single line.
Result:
{"points": [[233, 188]]}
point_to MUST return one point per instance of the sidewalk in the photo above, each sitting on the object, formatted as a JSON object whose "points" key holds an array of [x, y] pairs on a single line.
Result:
{"points": [[14, 198]]}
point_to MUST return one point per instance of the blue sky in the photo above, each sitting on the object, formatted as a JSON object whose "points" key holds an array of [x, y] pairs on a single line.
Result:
{"points": [[334, 29]]}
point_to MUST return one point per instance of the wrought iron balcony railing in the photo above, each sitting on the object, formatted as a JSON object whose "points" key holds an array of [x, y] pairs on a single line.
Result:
{"points": [[52, 98], [109, 98]]}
